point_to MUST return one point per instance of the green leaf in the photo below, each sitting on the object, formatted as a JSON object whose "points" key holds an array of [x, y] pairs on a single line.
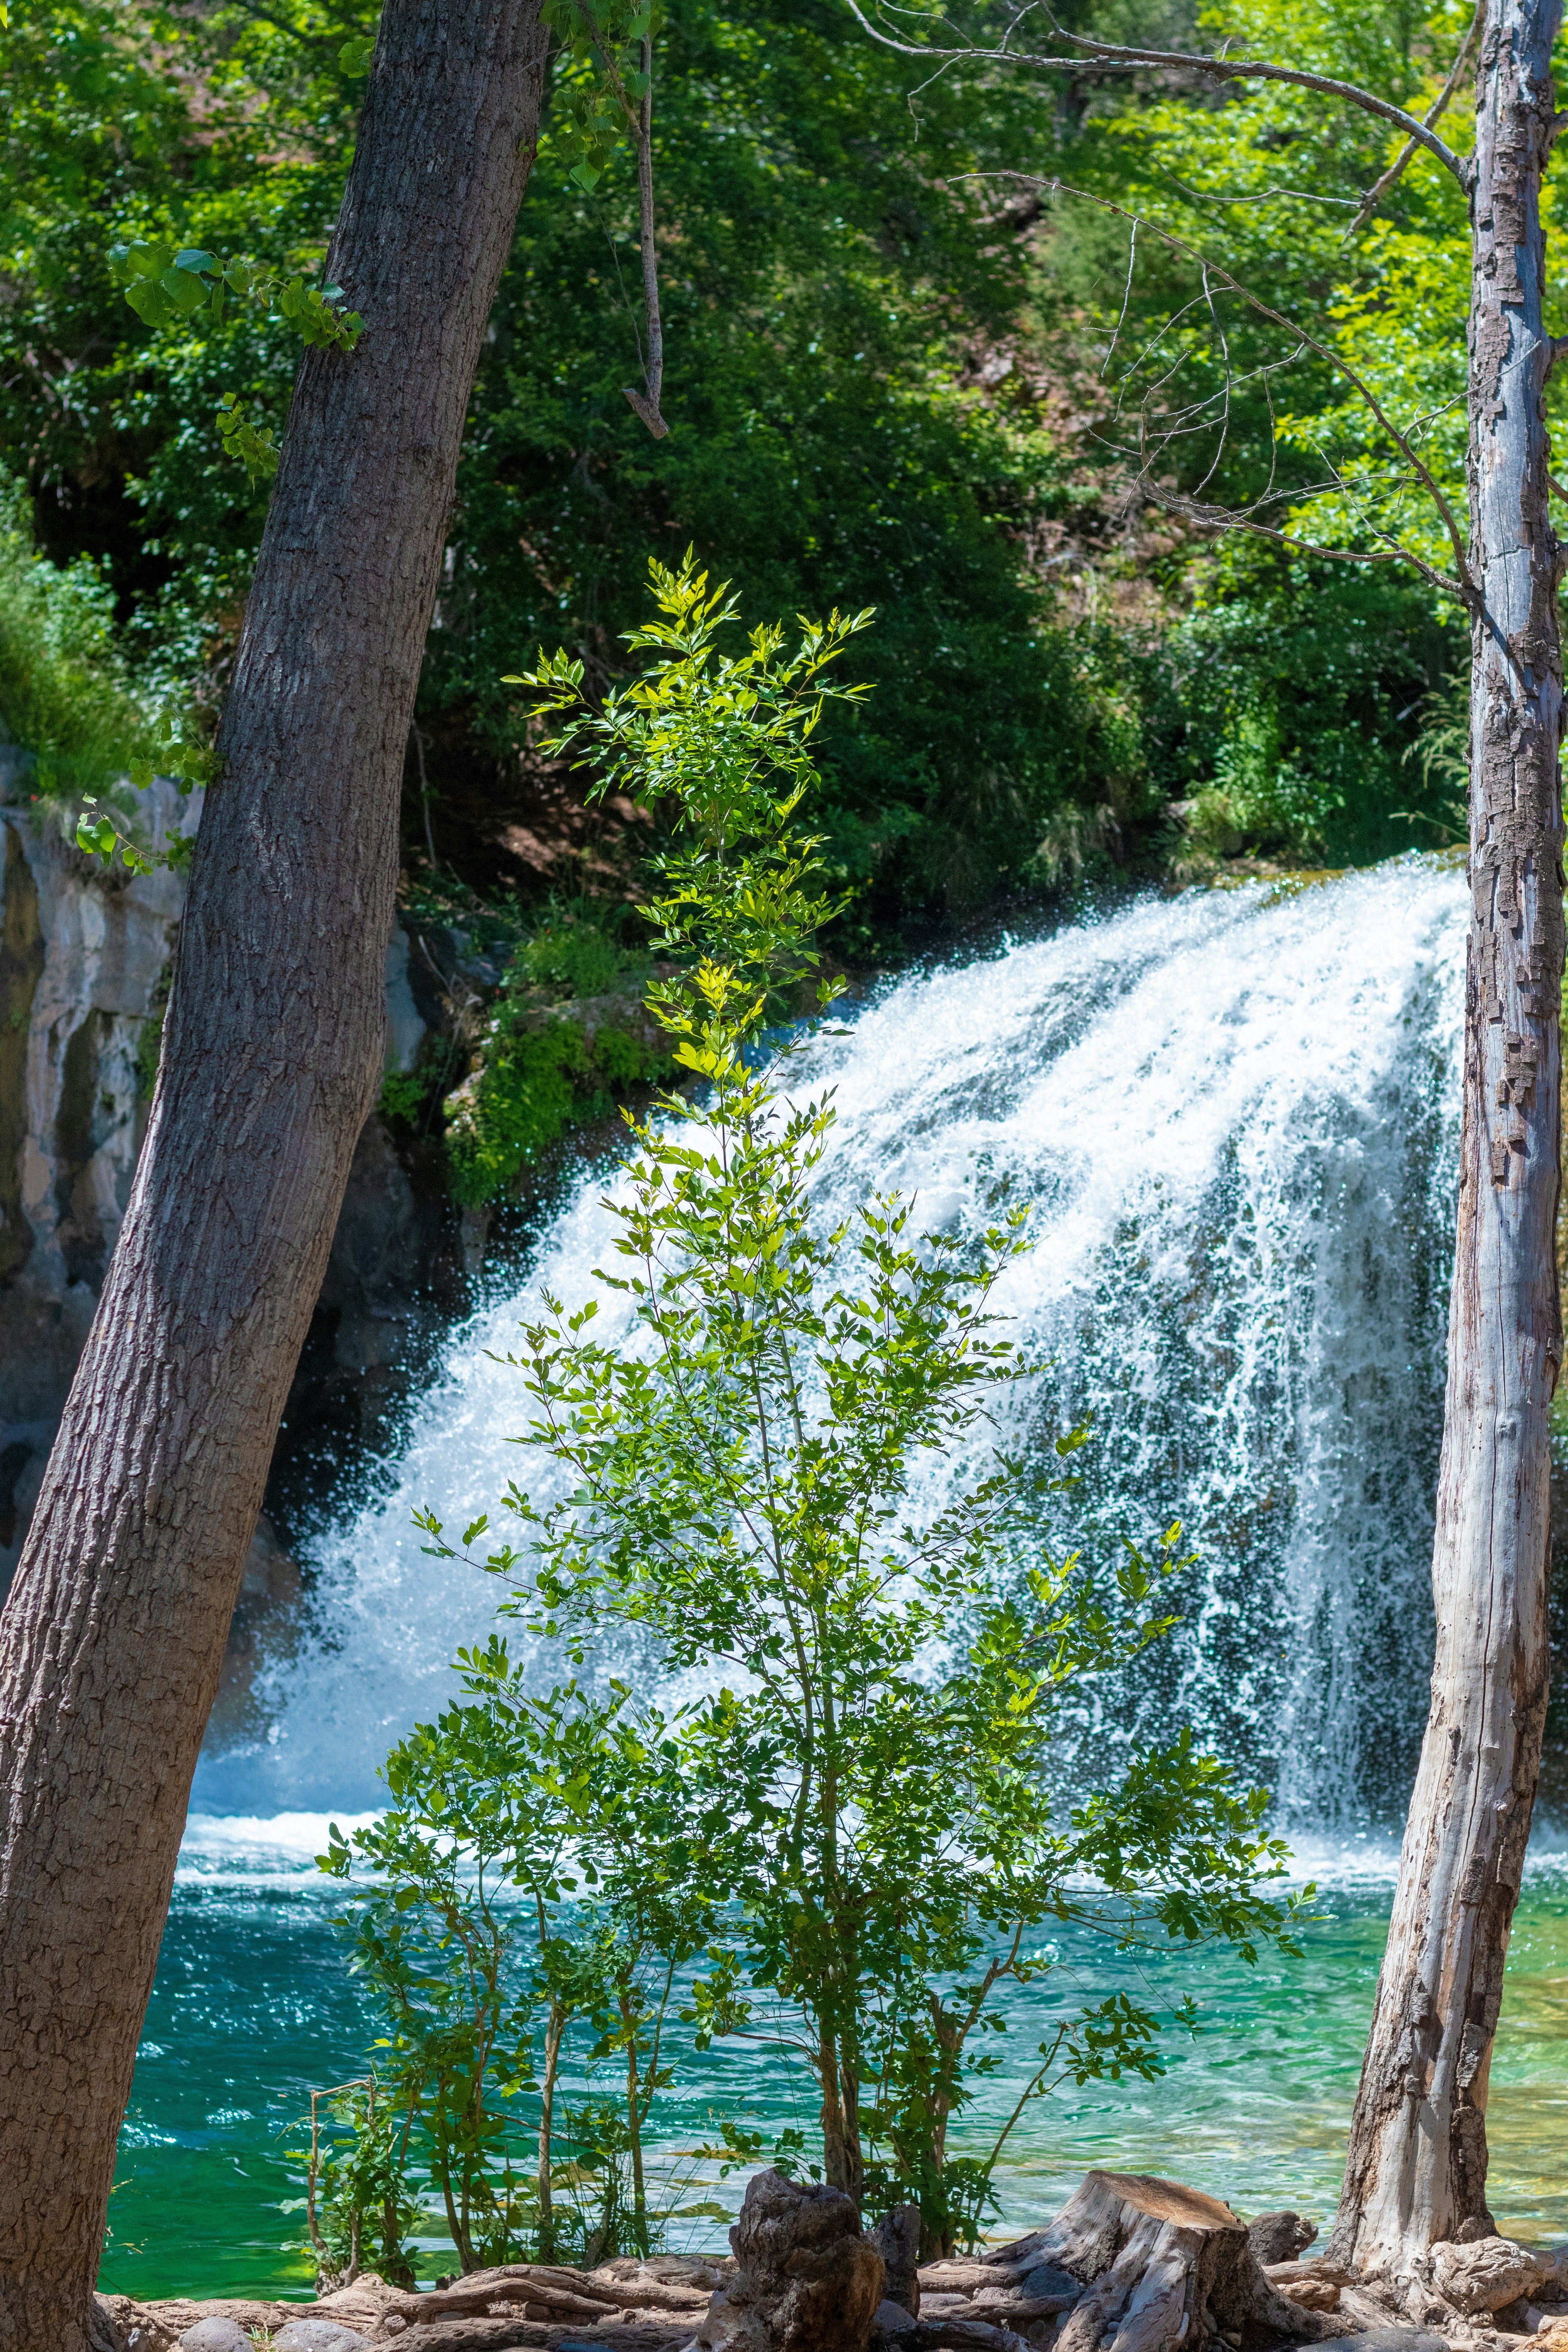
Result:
{"points": [[148, 299], [185, 292], [144, 258]]}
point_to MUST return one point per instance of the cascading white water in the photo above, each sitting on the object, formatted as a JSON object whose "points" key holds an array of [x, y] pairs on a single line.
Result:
{"points": [[1235, 1119]]}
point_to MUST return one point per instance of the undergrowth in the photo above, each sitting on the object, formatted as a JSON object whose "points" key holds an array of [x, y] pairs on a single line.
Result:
{"points": [[66, 695]]}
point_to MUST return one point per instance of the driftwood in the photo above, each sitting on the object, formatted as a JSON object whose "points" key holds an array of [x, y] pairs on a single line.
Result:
{"points": [[1489, 2273], [537, 2292], [957, 2335]]}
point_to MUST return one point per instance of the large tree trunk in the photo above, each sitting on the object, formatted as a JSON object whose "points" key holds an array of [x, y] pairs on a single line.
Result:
{"points": [[112, 1637], [1417, 2166]]}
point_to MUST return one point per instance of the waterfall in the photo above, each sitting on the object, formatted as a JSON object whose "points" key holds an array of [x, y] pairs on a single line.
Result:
{"points": [[1234, 1116]]}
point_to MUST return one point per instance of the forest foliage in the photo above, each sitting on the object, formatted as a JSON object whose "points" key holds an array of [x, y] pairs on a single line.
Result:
{"points": [[902, 372]]}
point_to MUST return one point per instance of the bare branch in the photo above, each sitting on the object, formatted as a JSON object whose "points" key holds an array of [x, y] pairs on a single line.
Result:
{"points": [[1114, 59], [1260, 196], [1462, 584], [1228, 519], [1126, 297], [1225, 349], [1376, 195]]}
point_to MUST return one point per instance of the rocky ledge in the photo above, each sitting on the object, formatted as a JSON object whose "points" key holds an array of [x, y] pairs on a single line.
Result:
{"points": [[1130, 2264]]}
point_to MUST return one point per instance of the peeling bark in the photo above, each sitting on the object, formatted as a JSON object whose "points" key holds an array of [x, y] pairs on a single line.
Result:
{"points": [[1417, 2162], [112, 1638]]}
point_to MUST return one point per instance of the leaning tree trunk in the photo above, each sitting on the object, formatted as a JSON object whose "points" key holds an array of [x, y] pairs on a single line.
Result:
{"points": [[112, 1638], [1417, 2163]]}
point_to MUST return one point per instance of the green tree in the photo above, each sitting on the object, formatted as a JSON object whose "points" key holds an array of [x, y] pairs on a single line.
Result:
{"points": [[741, 1486], [357, 2205], [535, 1872], [430, 1933]]}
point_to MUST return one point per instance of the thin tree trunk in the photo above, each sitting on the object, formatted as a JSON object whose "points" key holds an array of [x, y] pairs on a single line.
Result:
{"points": [[554, 2033], [625, 1997], [1417, 2163], [112, 1637]]}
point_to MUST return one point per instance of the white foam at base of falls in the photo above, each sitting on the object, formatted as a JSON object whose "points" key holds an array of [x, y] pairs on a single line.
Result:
{"points": [[1235, 1117]]}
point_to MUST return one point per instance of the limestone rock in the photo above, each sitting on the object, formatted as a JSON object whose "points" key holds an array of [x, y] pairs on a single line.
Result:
{"points": [[807, 2279], [896, 2238], [1279, 2237]]}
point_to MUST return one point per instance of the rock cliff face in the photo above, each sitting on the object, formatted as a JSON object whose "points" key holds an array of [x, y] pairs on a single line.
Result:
{"points": [[82, 962], [85, 957]]}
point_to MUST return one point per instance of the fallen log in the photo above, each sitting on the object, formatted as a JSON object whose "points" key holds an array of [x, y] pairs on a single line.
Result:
{"points": [[535, 2291]]}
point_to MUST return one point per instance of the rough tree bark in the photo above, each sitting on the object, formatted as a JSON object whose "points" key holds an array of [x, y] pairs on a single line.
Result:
{"points": [[112, 1637], [1417, 2163], [1168, 2270]]}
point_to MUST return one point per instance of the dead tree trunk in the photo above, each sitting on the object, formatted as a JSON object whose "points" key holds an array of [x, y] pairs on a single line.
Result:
{"points": [[114, 1635], [1166, 2267], [1417, 2165]]}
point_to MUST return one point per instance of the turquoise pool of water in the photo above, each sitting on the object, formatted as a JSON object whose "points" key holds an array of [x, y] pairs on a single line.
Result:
{"points": [[253, 2009]]}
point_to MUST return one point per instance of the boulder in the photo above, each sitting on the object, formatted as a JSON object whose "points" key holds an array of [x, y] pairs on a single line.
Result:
{"points": [[1487, 2273], [215, 2336], [314, 2336], [807, 2278], [1279, 2237], [896, 2238]]}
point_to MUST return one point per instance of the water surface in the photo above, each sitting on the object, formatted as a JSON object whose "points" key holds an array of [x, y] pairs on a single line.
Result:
{"points": [[253, 2009]]}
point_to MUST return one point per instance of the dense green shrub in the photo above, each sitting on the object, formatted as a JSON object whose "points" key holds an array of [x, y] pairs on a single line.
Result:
{"points": [[65, 695], [1296, 694], [541, 1067]]}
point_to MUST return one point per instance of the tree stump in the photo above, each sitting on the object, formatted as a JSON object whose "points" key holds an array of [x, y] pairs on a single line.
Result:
{"points": [[807, 2279], [1165, 2266]]}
